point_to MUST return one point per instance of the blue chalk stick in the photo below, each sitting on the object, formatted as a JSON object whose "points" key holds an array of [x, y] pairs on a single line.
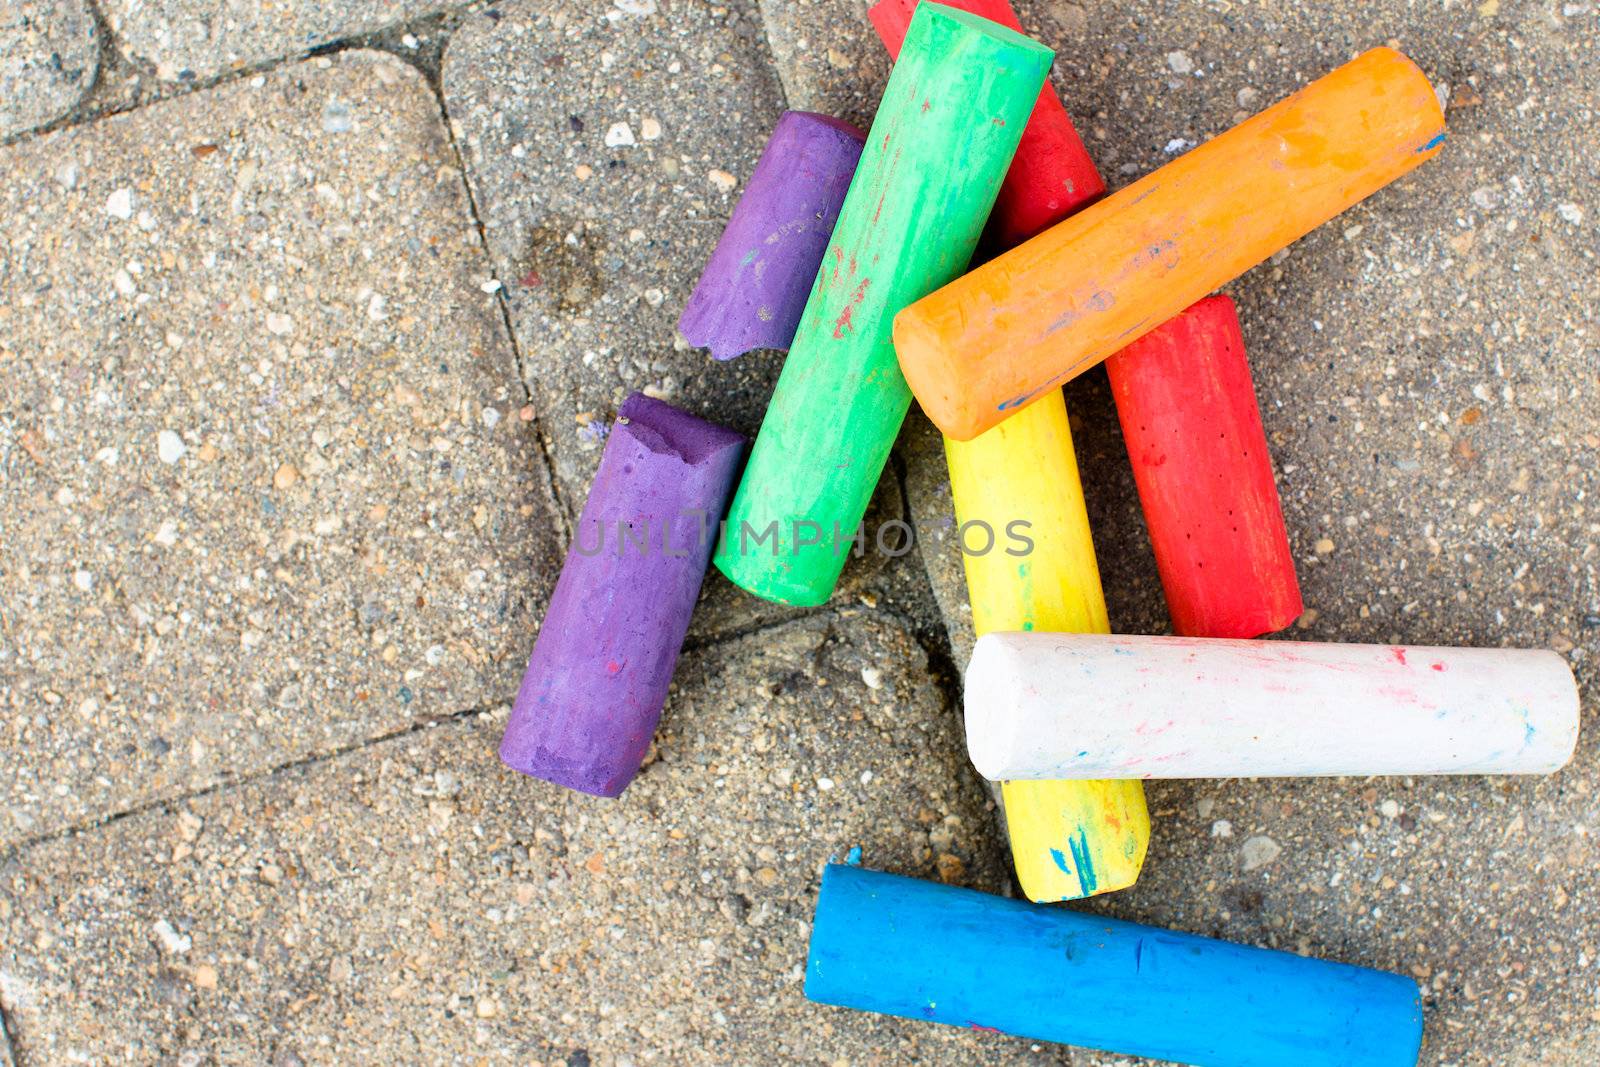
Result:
{"points": [[922, 950]]}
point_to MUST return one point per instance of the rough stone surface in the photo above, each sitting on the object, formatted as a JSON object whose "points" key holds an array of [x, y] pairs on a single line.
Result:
{"points": [[415, 901], [267, 493], [828, 56], [49, 52], [600, 150], [185, 40], [594, 148], [933, 513]]}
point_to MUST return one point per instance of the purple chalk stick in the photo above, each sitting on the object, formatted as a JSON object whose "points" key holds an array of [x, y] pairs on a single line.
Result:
{"points": [[756, 285], [599, 673]]}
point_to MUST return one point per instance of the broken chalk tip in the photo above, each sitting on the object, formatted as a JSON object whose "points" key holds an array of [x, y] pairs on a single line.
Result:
{"points": [[755, 285], [603, 661]]}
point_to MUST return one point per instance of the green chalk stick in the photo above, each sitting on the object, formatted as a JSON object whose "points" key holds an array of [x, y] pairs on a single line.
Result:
{"points": [[949, 123]]}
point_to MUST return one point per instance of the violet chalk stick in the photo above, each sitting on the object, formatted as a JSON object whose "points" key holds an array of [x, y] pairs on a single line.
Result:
{"points": [[600, 669], [755, 286]]}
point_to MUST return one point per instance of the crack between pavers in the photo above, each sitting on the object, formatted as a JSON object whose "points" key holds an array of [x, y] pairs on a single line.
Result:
{"points": [[84, 114], [943, 671], [563, 510], [106, 58], [739, 633], [18, 848]]}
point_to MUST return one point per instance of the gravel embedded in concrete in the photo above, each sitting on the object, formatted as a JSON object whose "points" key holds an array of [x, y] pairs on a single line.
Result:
{"points": [[595, 148], [828, 56], [417, 901], [49, 53], [268, 493], [190, 40]]}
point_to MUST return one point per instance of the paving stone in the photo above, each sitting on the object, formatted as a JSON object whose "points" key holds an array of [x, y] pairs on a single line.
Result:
{"points": [[595, 148], [599, 149], [189, 40], [49, 53], [267, 493], [828, 56], [416, 901], [933, 513]]}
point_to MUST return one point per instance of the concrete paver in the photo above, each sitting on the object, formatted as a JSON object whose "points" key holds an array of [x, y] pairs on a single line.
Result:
{"points": [[416, 901], [49, 53], [605, 152], [268, 493], [189, 40], [605, 155], [828, 56]]}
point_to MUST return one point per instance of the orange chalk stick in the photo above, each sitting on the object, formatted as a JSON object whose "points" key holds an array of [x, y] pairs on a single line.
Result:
{"points": [[1000, 337]]}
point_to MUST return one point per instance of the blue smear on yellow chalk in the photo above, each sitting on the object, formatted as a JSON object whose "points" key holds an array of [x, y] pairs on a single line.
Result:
{"points": [[1081, 860], [1433, 143], [1081, 856]]}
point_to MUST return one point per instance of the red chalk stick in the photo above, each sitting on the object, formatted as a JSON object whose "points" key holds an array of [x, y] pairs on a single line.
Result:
{"points": [[1052, 175], [1200, 459], [1183, 393]]}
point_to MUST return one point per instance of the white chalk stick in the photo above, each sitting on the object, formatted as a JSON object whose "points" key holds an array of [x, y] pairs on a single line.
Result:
{"points": [[1055, 705]]}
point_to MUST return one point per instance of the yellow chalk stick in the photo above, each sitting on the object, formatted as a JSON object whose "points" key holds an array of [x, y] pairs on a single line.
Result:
{"points": [[1076, 839], [1019, 481]]}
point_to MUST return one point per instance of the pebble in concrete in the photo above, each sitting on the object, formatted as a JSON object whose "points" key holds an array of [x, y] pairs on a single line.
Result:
{"points": [[188, 40], [268, 492], [416, 902], [49, 53]]}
